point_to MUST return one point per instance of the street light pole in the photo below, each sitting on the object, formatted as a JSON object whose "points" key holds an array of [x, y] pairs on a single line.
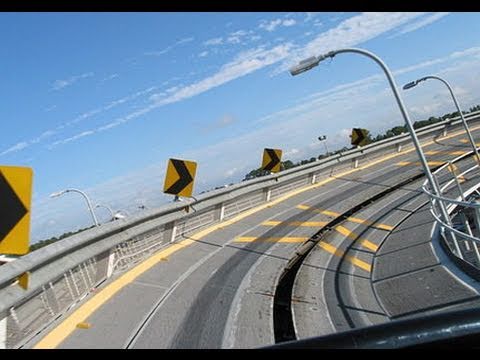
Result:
{"points": [[86, 198], [108, 208], [464, 122], [323, 138], [313, 61]]}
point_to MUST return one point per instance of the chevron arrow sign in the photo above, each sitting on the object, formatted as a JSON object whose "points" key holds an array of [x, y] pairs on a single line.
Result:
{"points": [[272, 160], [180, 177]]}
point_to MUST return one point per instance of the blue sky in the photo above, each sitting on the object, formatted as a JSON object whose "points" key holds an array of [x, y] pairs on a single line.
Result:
{"points": [[100, 101]]}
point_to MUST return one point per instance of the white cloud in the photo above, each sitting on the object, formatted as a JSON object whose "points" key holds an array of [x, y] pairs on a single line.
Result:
{"points": [[289, 22], [244, 63], [19, 146], [427, 20], [168, 48], [110, 77], [310, 15], [270, 25], [273, 24], [214, 41], [60, 84], [350, 32], [203, 53], [73, 138]]}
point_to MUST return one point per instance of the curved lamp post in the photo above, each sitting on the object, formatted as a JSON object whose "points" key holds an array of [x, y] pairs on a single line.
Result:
{"points": [[323, 138], [313, 61], [86, 198], [464, 122], [108, 208]]}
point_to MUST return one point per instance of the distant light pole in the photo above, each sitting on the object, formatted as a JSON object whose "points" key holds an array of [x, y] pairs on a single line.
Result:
{"points": [[108, 208], [323, 138], [119, 215], [464, 122], [86, 198], [313, 61]]}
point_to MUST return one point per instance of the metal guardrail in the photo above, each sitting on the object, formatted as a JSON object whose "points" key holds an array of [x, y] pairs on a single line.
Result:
{"points": [[463, 217], [65, 272]]}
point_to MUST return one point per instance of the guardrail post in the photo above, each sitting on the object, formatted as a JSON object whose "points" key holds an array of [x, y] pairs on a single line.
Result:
{"points": [[219, 212], [355, 163], [267, 193], [170, 231], [3, 331], [110, 262], [399, 147], [444, 131], [312, 178]]}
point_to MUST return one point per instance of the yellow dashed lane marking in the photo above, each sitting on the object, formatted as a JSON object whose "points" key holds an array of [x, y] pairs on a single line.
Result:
{"points": [[350, 218], [285, 239], [454, 170], [351, 235], [352, 259], [67, 326], [295, 223]]}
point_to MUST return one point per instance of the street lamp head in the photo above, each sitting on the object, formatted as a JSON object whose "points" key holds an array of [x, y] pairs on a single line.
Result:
{"points": [[410, 85], [322, 137], [56, 194], [304, 65], [310, 63]]}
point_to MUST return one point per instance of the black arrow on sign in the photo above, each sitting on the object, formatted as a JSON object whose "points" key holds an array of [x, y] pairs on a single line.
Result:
{"points": [[274, 159], [184, 180], [360, 136], [12, 209]]}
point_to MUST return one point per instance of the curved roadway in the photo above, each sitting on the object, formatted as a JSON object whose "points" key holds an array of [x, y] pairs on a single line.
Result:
{"points": [[216, 288]]}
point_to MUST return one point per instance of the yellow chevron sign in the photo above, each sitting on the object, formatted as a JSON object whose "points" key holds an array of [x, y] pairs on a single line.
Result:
{"points": [[15, 201], [359, 137], [272, 160], [180, 177]]}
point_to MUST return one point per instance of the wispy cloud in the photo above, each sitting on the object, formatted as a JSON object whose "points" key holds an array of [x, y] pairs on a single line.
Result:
{"points": [[214, 41], [203, 53], [110, 77], [427, 20], [273, 24], [19, 146], [352, 31], [244, 63], [168, 48], [310, 16], [73, 138], [88, 114], [60, 84]]}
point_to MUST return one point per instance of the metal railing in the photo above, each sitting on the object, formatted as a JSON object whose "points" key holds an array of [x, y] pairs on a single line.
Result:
{"points": [[460, 230], [65, 272]]}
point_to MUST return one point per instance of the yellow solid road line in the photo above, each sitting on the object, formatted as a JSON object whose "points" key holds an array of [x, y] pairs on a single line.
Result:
{"points": [[352, 259], [350, 218], [407, 163], [286, 239], [60, 333], [456, 152], [67, 326], [351, 235], [295, 223]]}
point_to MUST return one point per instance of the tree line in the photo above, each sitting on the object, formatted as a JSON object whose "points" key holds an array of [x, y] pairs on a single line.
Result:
{"points": [[394, 131]]}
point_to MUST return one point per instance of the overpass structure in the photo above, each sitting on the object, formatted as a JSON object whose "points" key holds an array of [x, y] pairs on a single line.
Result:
{"points": [[345, 242]]}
